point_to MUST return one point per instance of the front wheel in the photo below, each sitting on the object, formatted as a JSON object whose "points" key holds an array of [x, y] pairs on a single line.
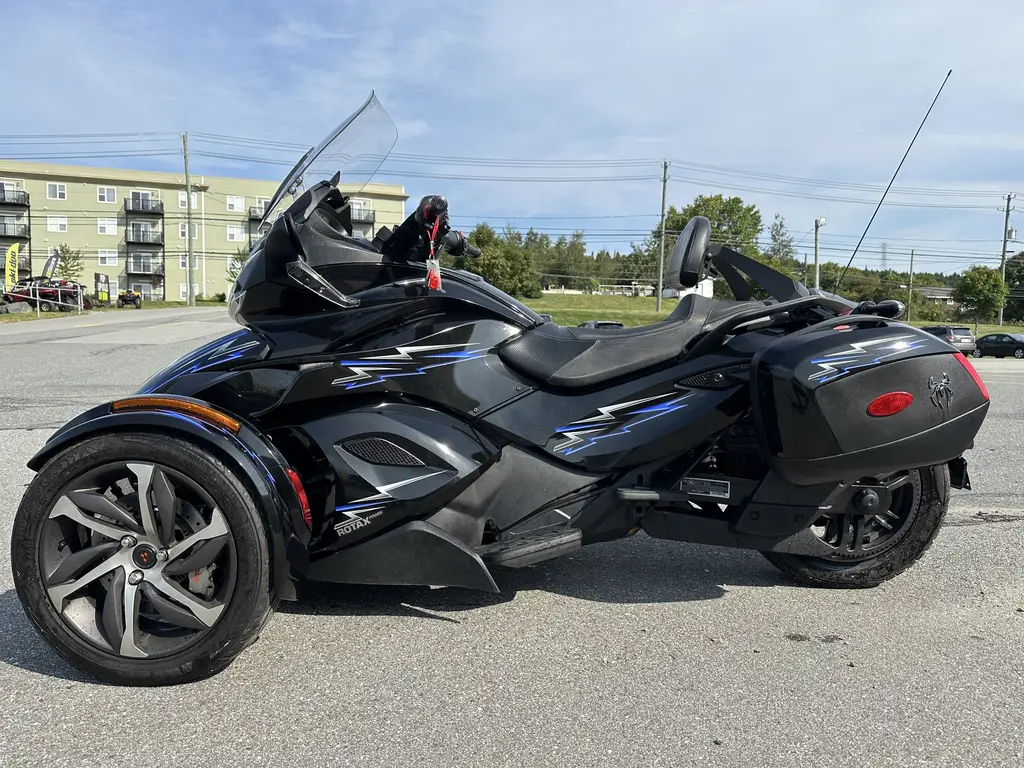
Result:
{"points": [[1019, 354], [141, 559], [977, 352], [870, 549]]}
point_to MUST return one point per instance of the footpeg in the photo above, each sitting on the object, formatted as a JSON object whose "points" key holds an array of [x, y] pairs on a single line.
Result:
{"points": [[530, 548]]}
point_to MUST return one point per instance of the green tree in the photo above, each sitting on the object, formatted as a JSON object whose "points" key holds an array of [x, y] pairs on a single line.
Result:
{"points": [[781, 250], [980, 293], [1015, 283], [733, 223], [237, 261], [70, 265]]}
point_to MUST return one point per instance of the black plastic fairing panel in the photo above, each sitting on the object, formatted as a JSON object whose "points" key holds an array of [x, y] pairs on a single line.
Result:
{"points": [[448, 363], [369, 496], [415, 553], [516, 487], [222, 354], [626, 425]]}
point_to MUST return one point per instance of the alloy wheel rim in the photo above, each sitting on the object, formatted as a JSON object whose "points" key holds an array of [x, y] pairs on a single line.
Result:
{"points": [[854, 536], [137, 560]]}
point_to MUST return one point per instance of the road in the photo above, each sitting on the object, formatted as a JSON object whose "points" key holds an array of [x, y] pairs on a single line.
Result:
{"points": [[637, 653]]}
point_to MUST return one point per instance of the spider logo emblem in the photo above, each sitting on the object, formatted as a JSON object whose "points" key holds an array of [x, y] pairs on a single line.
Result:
{"points": [[941, 392]]}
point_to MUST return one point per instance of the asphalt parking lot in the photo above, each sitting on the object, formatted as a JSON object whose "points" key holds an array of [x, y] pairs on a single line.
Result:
{"points": [[636, 653]]}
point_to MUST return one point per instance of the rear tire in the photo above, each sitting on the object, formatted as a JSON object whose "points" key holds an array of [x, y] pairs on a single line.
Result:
{"points": [[222, 626], [1019, 354], [931, 504], [977, 352]]}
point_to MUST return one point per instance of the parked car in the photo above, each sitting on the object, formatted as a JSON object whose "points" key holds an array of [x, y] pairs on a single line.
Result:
{"points": [[959, 336], [1000, 345], [600, 324]]}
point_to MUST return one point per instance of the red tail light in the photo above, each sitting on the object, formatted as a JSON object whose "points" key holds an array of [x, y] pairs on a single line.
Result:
{"points": [[890, 403], [296, 481], [974, 374]]}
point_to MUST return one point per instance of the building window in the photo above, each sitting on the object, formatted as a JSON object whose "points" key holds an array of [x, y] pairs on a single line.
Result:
{"points": [[236, 234], [106, 258], [56, 223], [183, 230], [141, 263], [183, 261], [236, 203], [106, 226], [56, 191], [106, 195], [183, 201], [262, 203], [183, 290]]}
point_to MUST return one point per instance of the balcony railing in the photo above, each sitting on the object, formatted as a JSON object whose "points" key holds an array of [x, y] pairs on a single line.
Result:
{"points": [[143, 268], [256, 212], [15, 230], [13, 197], [143, 237], [362, 216], [144, 206]]}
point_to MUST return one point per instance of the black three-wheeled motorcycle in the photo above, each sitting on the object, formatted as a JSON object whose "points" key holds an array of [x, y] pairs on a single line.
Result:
{"points": [[378, 420]]}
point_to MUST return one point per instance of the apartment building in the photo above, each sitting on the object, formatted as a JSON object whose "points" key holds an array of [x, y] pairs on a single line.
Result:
{"points": [[132, 225]]}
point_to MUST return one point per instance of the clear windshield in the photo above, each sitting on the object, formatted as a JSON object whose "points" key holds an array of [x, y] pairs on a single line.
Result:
{"points": [[356, 148]]}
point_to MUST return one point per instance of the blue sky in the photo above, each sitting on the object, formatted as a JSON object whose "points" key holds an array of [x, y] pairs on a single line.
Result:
{"points": [[734, 94]]}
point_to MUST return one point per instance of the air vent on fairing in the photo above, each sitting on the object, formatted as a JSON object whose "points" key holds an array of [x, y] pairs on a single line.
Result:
{"points": [[377, 450]]}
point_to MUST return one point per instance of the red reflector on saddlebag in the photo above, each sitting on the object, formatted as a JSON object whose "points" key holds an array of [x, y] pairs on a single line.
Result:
{"points": [[974, 374], [890, 403]]}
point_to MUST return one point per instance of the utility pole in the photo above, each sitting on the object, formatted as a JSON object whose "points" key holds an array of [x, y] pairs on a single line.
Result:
{"points": [[910, 289], [818, 224], [805, 268], [188, 225], [1002, 260], [661, 258]]}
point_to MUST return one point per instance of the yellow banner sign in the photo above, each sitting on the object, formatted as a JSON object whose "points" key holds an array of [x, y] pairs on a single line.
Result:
{"points": [[11, 267]]}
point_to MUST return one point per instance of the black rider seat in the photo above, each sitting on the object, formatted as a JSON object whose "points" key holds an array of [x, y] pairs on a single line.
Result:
{"points": [[583, 357]]}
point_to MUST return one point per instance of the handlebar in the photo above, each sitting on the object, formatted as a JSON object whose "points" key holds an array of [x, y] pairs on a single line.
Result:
{"points": [[456, 244]]}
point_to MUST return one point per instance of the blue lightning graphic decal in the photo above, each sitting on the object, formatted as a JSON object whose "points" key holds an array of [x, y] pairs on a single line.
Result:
{"points": [[862, 354], [613, 421], [379, 368]]}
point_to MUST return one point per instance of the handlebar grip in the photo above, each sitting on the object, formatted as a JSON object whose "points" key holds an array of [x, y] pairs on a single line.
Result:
{"points": [[472, 250]]}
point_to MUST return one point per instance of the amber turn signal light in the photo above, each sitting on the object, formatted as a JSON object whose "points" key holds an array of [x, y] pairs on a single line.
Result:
{"points": [[198, 410]]}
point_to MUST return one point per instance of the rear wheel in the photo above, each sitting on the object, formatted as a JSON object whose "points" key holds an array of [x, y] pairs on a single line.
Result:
{"points": [[141, 560], [977, 352], [1019, 354], [868, 549]]}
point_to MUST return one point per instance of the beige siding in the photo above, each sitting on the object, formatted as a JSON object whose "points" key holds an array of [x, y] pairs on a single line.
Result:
{"points": [[219, 230]]}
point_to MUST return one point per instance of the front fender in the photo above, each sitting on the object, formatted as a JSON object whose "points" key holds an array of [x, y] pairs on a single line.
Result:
{"points": [[247, 452]]}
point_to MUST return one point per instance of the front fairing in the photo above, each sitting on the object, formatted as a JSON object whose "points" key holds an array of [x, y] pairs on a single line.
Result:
{"points": [[203, 366]]}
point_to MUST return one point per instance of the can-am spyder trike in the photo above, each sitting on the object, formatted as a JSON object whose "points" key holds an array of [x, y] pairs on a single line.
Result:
{"points": [[379, 420]]}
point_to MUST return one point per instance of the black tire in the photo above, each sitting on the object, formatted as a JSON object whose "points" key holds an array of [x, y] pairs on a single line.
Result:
{"points": [[977, 352], [243, 617], [1019, 354], [120, 303], [138, 303], [45, 306], [931, 504]]}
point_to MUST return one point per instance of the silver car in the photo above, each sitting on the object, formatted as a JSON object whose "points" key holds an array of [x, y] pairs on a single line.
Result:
{"points": [[959, 336]]}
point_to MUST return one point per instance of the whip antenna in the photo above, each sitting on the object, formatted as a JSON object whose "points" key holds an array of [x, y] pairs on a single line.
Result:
{"points": [[840, 280]]}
